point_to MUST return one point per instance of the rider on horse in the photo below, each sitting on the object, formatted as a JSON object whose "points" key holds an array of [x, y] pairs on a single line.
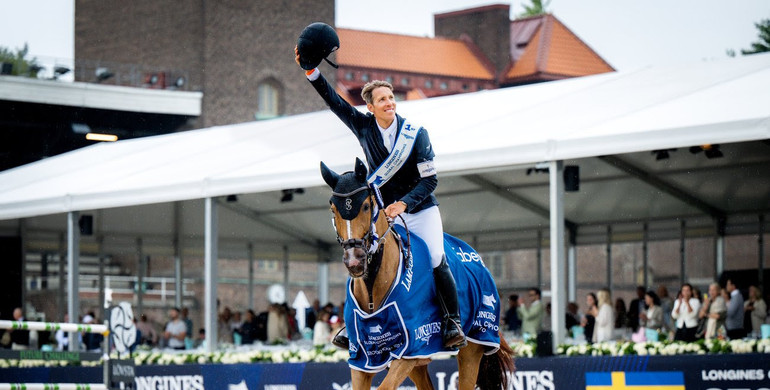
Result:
{"points": [[408, 192]]}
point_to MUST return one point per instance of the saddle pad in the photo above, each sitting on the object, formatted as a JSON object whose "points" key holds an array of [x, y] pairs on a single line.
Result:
{"points": [[408, 324]]}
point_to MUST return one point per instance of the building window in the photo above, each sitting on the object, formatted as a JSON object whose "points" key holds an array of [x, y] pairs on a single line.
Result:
{"points": [[389, 79], [465, 87], [268, 99], [428, 83], [365, 77], [349, 76], [444, 85], [405, 81]]}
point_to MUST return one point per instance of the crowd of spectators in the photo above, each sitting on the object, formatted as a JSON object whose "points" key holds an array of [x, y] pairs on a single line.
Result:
{"points": [[651, 315]]}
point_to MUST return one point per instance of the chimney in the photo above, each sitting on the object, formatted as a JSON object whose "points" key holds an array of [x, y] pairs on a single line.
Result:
{"points": [[489, 27]]}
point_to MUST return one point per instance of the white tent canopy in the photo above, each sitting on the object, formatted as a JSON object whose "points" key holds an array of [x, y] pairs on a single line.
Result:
{"points": [[608, 124], [654, 108]]}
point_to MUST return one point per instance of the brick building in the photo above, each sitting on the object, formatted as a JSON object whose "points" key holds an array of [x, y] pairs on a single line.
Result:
{"points": [[474, 49], [238, 52]]}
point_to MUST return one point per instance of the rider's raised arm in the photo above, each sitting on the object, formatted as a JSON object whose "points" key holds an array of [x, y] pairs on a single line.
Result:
{"points": [[349, 115]]}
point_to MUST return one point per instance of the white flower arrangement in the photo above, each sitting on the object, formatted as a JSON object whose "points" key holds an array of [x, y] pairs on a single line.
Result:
{"points": [[298, 352]]}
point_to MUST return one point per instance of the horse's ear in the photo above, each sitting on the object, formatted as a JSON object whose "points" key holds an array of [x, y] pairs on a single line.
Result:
{"points": [[330, 177], [360, 170]]}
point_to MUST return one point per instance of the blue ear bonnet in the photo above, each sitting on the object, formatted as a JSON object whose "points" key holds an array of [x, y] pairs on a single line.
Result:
{"points": [[349, 194]]}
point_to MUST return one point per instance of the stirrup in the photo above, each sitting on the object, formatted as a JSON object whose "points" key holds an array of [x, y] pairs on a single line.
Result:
{"points": [[340, 340], [456, 341]]}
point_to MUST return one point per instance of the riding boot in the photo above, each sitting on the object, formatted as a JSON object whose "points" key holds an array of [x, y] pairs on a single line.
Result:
{"points": [[446, 290], [340, 340]]}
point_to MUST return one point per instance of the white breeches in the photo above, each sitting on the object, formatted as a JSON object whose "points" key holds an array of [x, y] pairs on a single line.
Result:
{"points": [[427, 225]]}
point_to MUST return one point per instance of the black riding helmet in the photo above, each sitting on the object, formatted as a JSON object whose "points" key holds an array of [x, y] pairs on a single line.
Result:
{"points": [[315, 43]]}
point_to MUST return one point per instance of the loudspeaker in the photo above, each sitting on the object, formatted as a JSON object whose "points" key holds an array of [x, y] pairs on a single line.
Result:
{"points": [[7, 68], [545, 343], [572, 178], [86, 223]]}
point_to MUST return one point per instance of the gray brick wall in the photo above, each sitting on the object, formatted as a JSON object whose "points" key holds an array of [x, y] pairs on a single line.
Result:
{"points": [[226, 48]]}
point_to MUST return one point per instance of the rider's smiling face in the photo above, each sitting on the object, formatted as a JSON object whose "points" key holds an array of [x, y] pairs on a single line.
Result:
{"points": [[383, 106]]}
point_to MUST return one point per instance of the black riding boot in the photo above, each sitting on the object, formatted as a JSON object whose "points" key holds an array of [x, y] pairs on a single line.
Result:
{"points": [[447, 295], [340, 340]]}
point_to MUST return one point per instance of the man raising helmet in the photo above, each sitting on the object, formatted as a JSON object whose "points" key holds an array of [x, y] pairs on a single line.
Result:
{"points": [[407, 191]]}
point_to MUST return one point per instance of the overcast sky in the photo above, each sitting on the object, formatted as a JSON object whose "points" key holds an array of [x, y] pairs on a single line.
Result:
{"points": [[628, 34]]}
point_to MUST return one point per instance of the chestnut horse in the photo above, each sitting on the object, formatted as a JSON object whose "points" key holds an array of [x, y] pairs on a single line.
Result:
{"points": [[372, 253]]}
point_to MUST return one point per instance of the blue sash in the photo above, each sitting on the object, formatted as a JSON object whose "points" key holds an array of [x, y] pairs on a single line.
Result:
{"points": [[402, 148]]}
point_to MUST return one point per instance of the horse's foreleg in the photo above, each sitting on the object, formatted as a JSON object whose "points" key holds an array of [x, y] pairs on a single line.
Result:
{"points": [[361, 380], [421, 378], [399, 370], [468, 360]]}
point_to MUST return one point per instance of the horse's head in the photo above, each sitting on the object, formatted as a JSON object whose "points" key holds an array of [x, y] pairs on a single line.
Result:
{"points": [[354, 214]]}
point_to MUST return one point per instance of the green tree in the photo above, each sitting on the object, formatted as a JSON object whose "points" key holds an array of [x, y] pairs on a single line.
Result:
{"points": [[538, 7], [21, 65], [764, 39]]}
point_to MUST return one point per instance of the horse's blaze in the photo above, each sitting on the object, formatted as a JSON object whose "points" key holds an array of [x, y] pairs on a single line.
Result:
{"points": [[354, 259]]}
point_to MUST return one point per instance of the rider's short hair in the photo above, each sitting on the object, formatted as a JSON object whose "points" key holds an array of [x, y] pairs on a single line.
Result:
{"points": [[366, 92]]}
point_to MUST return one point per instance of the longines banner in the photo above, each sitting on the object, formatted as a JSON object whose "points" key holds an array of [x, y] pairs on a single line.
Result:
{"points": [[715, 372]]}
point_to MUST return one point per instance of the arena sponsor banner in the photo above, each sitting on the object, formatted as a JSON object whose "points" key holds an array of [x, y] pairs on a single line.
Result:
{"points": [[694, 372]]}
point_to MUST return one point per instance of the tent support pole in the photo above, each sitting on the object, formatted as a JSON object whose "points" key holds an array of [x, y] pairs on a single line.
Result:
{"points": [[558, 306], [572, 265], [210, 273], [719, 248], [646, 255], [178, 298], [250, 257], [73, 262], [761, 253], [323, 276], [682, 253]]}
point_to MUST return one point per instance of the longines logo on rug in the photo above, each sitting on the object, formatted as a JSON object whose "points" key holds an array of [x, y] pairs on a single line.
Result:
{"points": [[423, 332]]}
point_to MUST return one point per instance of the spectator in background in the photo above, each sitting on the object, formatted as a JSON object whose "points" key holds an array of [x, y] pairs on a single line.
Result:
{"points": [[605, 321], [546, 325], [571, 318], [756, 309], [188, 324], [621, 314], [201, 340], [322, 329], [589, 318], [248, 329], [531, 313], [686, 314], [713, 310], [149, 335], [224, 332], [652, 317], [335, 323], [512, 320], [277, 324], [667, 305], [291, 317], [636, 308], [92, 342], [311, 314], [62, 337], [734, 320], [19, 337], [175, 330]]}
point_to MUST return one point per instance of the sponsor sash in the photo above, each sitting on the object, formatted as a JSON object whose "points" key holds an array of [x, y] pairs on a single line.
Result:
{"points": [[402, 148]]}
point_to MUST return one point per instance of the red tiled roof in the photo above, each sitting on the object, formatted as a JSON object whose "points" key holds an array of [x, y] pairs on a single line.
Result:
{"points": [[436, 56], [551, 51]]}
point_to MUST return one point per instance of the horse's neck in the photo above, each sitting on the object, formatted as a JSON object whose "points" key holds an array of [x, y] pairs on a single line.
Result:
{"points": [[383, 278]]}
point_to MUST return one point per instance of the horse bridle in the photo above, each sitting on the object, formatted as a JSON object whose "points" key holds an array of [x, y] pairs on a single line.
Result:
{"points": [[370, 242]]}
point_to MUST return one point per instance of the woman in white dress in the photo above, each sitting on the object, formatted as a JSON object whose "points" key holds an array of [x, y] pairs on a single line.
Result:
{"points": [[605, 321]]}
